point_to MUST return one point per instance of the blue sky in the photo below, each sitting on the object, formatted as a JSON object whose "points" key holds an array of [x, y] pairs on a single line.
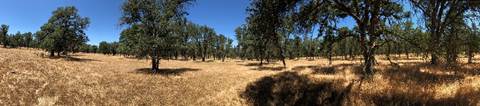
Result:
{"points": [[28, 15], [222, 15]]}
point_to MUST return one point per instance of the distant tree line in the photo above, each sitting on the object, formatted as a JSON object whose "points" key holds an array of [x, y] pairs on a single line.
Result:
{"points": [[108, 48], [188, 41], [16, 40], [88, 48]]}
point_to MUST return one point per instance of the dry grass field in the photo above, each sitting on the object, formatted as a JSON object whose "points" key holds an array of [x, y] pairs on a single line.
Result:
{"points": [[28, 78]]}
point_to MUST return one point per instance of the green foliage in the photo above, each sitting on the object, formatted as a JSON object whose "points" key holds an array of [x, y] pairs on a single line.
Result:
{"points": [[444, 20], [16, 40], [108, 48], [3, 34], [64, 31], [87, 48], [28, 40], [472, 44], [247, 46], [369, 16], [187, 39], [156, 20], [266, 25], [129, 42]]}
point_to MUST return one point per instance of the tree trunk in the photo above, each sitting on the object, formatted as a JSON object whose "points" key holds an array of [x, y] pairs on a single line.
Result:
{"points": [[451, 58], [368, 61], [350, 53], [434, 34], [52, 54], [399, 53], [261, 61], [408, 54], [452, 49], [434, 59], [184, 54], [329, 47], [223, 57], [389, 51], [194, 57], [176, 55], [282, 56], [470, 57], [155, 67], [155, 60], [204, 53], [470, 52], [268, 59], [5, 41]]}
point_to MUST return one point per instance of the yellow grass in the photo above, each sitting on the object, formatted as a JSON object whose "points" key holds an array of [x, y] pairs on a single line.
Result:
{"points": [[29, 78]]}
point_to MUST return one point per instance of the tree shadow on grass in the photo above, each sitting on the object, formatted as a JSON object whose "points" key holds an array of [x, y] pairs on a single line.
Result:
{"points": [[292, 89], [262, 68], [76, 54], [329, 70], [466, 96], [419, 81], [183, 59], [421, 74], [316, 69], [165, 71], [206, 61], [407, 86], [255, 64], [469, 69], [74, 59]]}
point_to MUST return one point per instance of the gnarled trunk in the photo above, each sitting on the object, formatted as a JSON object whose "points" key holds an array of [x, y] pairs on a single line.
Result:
{"points": [[369, 60]]}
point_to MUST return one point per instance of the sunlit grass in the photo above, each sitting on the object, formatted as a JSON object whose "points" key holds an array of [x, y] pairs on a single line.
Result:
{"points": [[28, 78]]}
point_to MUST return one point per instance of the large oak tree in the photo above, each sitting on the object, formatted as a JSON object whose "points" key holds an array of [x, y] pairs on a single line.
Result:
{"points": [[155, 19], [64, 32]]}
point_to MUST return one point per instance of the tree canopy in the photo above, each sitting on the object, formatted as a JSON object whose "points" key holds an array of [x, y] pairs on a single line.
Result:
{"points": [[154, 19], [64, 32]]}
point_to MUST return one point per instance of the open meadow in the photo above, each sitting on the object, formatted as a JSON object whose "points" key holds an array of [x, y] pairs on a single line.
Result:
{"points": [[27, 78], [240, 52]]}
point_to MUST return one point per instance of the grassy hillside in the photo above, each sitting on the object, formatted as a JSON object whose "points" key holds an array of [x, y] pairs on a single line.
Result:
{"points": [[29, 78]]}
